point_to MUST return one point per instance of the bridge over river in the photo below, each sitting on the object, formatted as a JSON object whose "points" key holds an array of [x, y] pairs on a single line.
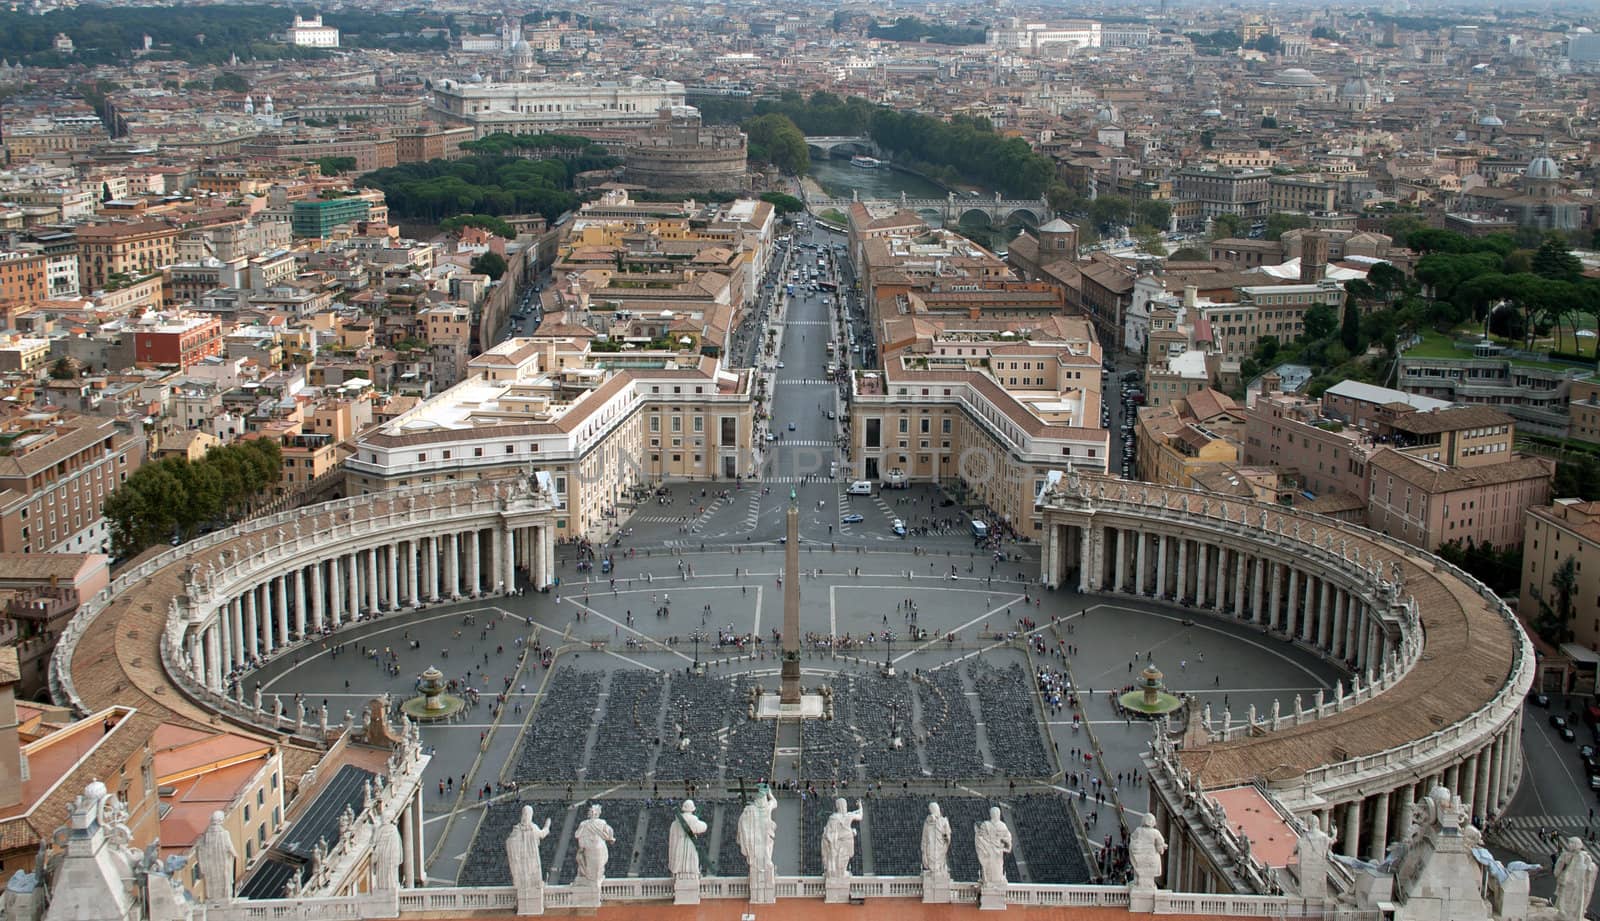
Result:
{"points": [[952, 209]]}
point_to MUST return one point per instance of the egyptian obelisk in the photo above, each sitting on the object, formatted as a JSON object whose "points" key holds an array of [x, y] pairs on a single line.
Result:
{"points": [[789, 689]]}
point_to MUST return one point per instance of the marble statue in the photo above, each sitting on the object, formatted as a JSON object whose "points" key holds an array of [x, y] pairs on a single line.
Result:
{"points": [[1575, 876], [387, 855], [839, 839], [217, 856], [992, 840], [522, 855], [1312, 849], [1145, 849], [936, 843], [683, 857], [594, 837], [757, 828]]}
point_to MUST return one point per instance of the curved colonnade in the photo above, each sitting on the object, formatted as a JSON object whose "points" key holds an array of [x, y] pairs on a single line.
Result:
{"points": [[167, 635], [1439, 664]]}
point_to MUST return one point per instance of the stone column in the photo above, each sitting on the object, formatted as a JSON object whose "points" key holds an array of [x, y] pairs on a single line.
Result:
{"points": [[1480, 795], [1122, 559], [252, 629], [1380, 825], [1308, 609], [413, 577], [418, 839], [549, 545], [509, 570], [1139, 574], [392, 551], [353, 574], [474, 563], [1352, 625], [213, 646], [1257, 605], [1408, 801], [335, 592], [236, 628], [1274, 583], [225, 635], [1238, 583], [1161, 566], [1083, 558], [197, 658], [1341, 621], [371, 556], [300, 602], [1325, 619], [317, 587], [408, 866], [430, 554], [1497, 753], [1351, 836], [452, 563], [1292, 601], [1183, 570], [1452, 774]]}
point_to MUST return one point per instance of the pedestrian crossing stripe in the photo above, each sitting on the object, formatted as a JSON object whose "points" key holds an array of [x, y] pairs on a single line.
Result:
{"points": [[813, 381], [797, 480], [805, 323], [1526, 835], [798, 443]]}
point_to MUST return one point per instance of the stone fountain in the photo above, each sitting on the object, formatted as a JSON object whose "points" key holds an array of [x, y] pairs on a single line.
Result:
{"points": [[432, 703]]}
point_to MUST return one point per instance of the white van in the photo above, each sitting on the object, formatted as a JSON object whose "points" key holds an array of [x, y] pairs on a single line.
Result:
{"points": [[980, 531], [860, 488]]}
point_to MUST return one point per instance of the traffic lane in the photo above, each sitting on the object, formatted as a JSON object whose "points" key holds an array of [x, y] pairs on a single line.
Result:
{"points": [[1555, 782]]}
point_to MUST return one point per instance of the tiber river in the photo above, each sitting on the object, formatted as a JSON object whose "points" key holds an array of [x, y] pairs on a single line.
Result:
{"points": [[838, 178]]}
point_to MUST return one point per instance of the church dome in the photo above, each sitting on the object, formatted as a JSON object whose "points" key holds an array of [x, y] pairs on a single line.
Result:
{"points": [[1543, 167], [1297, 76], [1491, 121], [1355, 88]]}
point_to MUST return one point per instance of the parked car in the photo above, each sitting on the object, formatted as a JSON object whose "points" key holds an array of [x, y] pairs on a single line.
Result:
{"points": [[898, 527], [1539, 699], [1558, 721], [1567, 735]]}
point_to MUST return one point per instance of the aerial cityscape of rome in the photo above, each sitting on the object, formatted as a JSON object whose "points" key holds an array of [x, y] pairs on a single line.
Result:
{"points": [[720, 461]]}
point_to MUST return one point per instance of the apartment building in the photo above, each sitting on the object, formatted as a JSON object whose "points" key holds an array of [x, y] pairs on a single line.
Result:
{"points": [[547, 403], [131, 250], [39, 593], [55, 476], [1278, 311], [996, 413], [1240, 191], [1583, 411], [179, 340], [1303, 195], [1427, 503], [1567, 529], [1188, 435], [24, 277]]}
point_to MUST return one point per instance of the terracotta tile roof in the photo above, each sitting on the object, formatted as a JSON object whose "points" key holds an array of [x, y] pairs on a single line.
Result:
{"points": [[1449, 420], [1432, 478]]}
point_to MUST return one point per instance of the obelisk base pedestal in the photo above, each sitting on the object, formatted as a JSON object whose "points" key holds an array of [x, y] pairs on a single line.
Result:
{"points": [[809, 707]]}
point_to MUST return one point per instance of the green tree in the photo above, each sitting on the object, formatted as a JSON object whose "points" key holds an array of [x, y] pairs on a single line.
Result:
{"points": [[1152, 213], [1554, 621], [1280, 222], [335, 166], [230, 82], [777, 140], [1225, 226], [1190, 254], [1110, 212], [490, 263], [1149, 242], [1554, 261], [495, 225], [1319, 323], [1350, 327], [63, 369], [1577, 478], [782, 203]]}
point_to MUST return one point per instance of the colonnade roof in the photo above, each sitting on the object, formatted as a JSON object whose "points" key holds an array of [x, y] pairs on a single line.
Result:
{"points": [[117, 660], [1470, 648], [1468, 654]]}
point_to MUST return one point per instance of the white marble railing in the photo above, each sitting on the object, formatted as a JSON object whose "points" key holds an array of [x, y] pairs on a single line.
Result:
{"points": [[467, 901]]}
